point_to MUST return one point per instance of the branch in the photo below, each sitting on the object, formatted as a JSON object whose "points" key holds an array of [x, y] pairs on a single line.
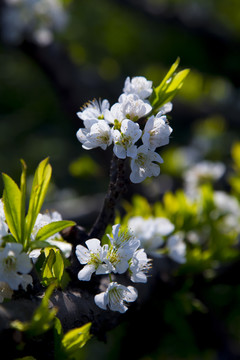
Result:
{"points": [[116, 188]]}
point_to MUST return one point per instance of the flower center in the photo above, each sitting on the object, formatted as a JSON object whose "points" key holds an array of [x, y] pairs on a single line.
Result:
{"points": [[94, 260], [10, 261]]}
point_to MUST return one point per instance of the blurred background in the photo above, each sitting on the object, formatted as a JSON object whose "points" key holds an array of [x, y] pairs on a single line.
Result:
{"points": [[56, 55]]}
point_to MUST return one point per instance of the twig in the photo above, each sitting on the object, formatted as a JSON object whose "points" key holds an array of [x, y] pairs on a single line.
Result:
{"points": [[116, 188]]}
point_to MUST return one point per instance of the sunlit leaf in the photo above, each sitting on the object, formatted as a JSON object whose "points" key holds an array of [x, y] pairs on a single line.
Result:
{"points": [[53, 228], [39, 189], [168, 88], [74, 340], [42, 319], [53, 266], [12, 206]]}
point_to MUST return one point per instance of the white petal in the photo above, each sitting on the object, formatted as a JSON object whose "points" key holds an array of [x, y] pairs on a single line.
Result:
{"points": [[101, 300], [23, 263], [131, 295], [93, 245], [86, 273], [82, 254]]}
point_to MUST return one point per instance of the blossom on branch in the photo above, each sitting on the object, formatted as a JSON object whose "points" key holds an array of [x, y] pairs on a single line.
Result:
{"points": [[93, 256], [115, 297], [138, 85], [15, 266], [144, 165], [125, 139]]}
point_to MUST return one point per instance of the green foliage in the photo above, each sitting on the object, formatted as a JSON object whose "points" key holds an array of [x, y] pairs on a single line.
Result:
{"points": [[69, 346], [168, 88], [14, 199], [42, 319], [40, 185], [53, 267], [234, 179]]}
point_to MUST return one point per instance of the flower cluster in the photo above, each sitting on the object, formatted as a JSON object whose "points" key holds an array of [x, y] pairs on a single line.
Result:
{"points": [[120, 125], [154, 236], [120, 255], [15, 263]]}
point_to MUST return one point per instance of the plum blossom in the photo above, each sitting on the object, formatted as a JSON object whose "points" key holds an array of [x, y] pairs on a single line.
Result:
{"points": [[123, 246], [150, 232], [156, 132], [139, 266], [133, 107], [138, 85], [115, 297], [15, 266], [176, 248], [93, 256], [98, 135], [122, 124], [93, 111], [114, 116], [202, 172], [125, 139], [144, 164]]}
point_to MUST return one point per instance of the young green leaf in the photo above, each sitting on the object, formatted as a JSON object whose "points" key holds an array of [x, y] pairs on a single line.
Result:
{"points": [[53, 266], [74, 340], [42, 319], [40, 185], [12, 206], [53, 228], [23, 188], [168, 88]]}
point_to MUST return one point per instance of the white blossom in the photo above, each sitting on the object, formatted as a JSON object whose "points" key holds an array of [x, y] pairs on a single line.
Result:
{"points": [[204, 171], [150, 231], [176, 248], [138, 85], [93, 111], [133, 107], [115, 297], [115, 115], [14, 266], [156, 132], [139, 266], [99, 135], [123, 246], [125, 139], [93, 256], [166, 108], [144, 164]]}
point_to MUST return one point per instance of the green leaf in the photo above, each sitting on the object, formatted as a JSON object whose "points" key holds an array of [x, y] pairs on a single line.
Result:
{"points": [[168, 88], [74, 340], [42, 319], [53, 266], [53, 228], [12, 206], [23, 188], [40, 185]]}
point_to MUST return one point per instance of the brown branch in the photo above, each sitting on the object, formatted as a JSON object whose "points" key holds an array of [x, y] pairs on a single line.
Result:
{"points": [[116, 188]]}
